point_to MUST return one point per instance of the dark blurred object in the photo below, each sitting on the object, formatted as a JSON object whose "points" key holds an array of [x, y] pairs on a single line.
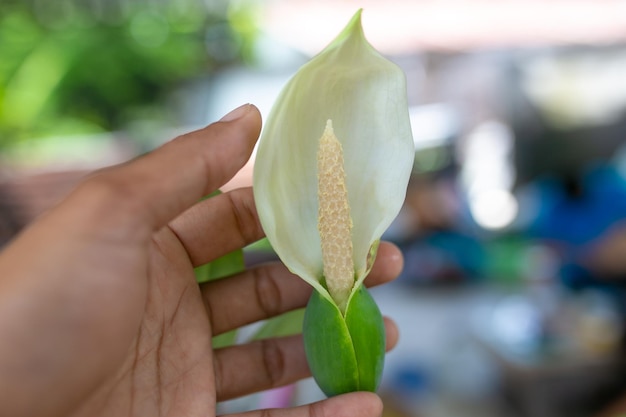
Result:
{"points": [[556, 354], [575, 389], [567, 108], [616, 409]]}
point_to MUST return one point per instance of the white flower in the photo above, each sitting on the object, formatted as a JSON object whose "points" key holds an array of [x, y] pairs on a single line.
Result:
{"points": [[333, 164]]}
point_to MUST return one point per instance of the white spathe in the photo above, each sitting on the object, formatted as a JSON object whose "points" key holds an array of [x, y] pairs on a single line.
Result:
{"points": [[364, 95]]}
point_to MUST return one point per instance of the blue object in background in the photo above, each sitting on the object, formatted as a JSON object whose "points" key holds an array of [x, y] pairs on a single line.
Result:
{"points": [[443, 257], [576, 210]]}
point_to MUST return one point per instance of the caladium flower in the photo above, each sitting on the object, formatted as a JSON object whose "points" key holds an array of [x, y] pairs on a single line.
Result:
{"points": [[330, 176]]}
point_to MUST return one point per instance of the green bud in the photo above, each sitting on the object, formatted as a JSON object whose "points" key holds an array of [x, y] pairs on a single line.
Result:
{"points": [[345, 354]]}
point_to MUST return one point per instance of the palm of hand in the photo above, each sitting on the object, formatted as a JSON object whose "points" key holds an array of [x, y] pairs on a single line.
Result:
{"points": [[168, 369]]}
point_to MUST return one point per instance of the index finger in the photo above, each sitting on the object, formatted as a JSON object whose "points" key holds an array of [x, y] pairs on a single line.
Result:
{"points": [[153, 189]]}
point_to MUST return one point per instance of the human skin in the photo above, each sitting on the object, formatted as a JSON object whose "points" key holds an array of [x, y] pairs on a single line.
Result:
{"points": [[100, 313]]}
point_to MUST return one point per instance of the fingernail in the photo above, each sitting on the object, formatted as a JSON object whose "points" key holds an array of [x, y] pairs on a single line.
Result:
{"points": [[238, 113]]}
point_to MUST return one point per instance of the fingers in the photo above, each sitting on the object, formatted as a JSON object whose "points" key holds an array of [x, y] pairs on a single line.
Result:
{"points": [[219, 225], [264, 364], [258, 293], [392, 335], [268, 363], [355, 404], [153, 189], [269, 290]]}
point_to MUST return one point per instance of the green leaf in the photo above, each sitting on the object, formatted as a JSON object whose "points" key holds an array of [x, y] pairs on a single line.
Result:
{"points": [[229, 264], [225, 339], [284, 325]]}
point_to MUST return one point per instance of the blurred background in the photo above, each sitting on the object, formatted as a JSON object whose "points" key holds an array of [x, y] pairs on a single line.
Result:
{"points": [[512, 299]]}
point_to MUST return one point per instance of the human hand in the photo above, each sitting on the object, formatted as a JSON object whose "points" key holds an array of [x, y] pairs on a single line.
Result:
{"points": [[100, 313]]}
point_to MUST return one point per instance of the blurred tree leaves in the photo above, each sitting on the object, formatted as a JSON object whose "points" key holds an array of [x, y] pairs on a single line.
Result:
{"points": [[87, 66]]}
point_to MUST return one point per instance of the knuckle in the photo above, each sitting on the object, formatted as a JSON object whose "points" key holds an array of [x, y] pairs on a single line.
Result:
{"points": [[273, 361], [246, 218], [267, 291]]}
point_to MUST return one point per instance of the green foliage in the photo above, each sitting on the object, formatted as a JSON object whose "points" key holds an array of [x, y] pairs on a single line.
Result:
{"points": [[286, 324], [228, 264], [76, 66]]}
